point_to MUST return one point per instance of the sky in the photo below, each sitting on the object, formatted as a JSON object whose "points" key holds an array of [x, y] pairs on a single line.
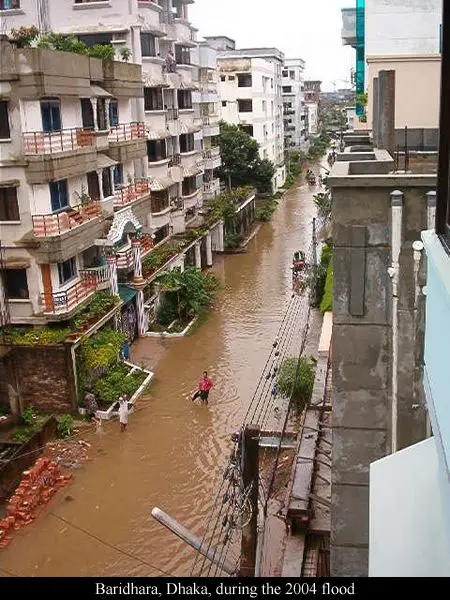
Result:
{"points": [[308, 29]]}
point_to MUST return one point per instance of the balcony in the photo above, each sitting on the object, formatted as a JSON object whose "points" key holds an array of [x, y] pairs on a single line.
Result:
{"points": [[127, 142], [172, 114], [348, 32], [210, 125], [136, 191], [126, 132], [100, 274], [56, 142], [125, 260], [211, 188], [62, 302], [56, 224], [212, 158]]}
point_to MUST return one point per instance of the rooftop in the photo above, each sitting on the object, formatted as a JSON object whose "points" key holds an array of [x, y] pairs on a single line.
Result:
{"points": [[253, 53]]}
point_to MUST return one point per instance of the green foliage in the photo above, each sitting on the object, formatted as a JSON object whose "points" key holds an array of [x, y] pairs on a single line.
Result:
{"points": [[362, 98], [24, 36], [266, 209], [263, 173], [192, 289], [117, 383], [363, 119], [168, 310], [66, 426], [159, 256], [44, 335], [319, 146], [296, 380], [125, 54], [233, 240], [102, 350], [62, 43], [100, 305], [102, 51], [30, 426], [23, 435], [323, 203], [320, 273], [326, 304], [28, 416], [290, 181]]}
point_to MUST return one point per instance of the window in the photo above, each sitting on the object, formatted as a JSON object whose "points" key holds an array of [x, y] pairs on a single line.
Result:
{"points": [[101, 114], [113, 113], [285, 73], [264, 106], [247, 128], [189, 186], [5, 133], [87, 113], [224, 102], [153, 99], [223, 78], [9, 207], [159, 201], [91, 39], [186, 142], [292, 74], [271, 107], [244, 80], [51, 114], [107, 183], [156, 150], [118, 175], [182, 55], [148, 44], [231, 77], [245, 106], [16, 284], [287, 89], [184, 99], [265, 130], [67, 270], [271, 83], [59, 195], [9, 4]]}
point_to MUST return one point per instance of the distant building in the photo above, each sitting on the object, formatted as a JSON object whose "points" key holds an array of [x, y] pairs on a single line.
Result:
{"points": [[312, 99], [294, 109]]}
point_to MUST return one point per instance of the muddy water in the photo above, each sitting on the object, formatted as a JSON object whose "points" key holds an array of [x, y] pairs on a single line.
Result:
{"points": [[173, 451]]}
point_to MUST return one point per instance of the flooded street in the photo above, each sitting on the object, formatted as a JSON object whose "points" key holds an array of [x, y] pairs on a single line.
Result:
{"points": [[172, 453]]}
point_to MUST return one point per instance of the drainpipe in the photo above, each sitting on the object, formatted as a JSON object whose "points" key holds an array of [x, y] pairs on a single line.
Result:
{"points": [[397, 212]]}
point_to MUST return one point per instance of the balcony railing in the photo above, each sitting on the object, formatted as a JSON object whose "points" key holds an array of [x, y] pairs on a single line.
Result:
{"points": [[211, 153], [159, 205], [100, 274], [211, 187], [125, 259], [127, 194], [53, 142], [58, 223], [175, 160], [172, 114], [127, 132], [65, 301], [210, 120]]}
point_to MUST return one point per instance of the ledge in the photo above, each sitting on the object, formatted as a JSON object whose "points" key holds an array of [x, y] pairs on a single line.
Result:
{"points": [[87, 5]]}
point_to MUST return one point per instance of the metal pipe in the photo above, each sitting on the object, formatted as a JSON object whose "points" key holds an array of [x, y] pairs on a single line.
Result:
{"points": [[191, 539]]}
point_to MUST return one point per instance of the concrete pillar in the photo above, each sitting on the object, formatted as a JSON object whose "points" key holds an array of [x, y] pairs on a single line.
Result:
{"points": [[94, 110], [141, 314], [431, 209], [107, 105], [137, 261], [100, 184], [386, 118], [209, 256], [375, 111], [198, 256], [221, 243], [113, 282]]}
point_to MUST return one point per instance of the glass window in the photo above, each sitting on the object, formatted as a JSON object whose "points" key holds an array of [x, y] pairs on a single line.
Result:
{"points": [[113, 113], [148, 44], [87, 113], [287, 89], [223, 78], [16, 284], [186, 142], [182, 55], [189, 186], [244, 80], [153, 99], [5, 133], [245, 105], [224, 102], [9, 4], [59, 195], [285, 73], [118, 175], [247, 128], [292, 74], [67, 270], [51, 114], [92, 39], [107, 183], [9, 207], [184, 99], [156, 150]]}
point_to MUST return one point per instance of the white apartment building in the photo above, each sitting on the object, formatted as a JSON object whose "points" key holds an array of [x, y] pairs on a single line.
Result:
{"points": [[294, 110], [312, 99], [148, 30], [251, 96]]}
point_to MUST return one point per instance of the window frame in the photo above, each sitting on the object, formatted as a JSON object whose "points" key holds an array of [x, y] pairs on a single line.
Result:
{"points": [[54, 121], [249, 102], [150, 95], [4, 114], [244, 78], [14, 4], [4, 203], [149, 44], [113, 111], [74, 271], [9, 295], [160, 150], [56, 187], [187, 143]]}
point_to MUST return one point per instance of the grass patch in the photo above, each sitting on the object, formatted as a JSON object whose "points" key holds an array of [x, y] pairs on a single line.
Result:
{"points": [[326, 304]]}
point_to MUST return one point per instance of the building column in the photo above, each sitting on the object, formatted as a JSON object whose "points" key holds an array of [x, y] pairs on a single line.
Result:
{"points": [[113, 281], [107, 104], [113, 187], [220, 235], [142, 316], [386, 118], [100, 184], [209, 255], [375, 112], [198, 256], [137, 261], [94, 110]]}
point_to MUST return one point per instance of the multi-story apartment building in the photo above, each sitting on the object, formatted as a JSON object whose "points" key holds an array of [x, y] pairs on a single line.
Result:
{"points": [[156, 34], [294, 110], [312, 99], [250, 92]]}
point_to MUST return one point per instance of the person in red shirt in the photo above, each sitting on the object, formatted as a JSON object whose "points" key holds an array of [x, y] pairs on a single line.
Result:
{"points": [[204, 387]]}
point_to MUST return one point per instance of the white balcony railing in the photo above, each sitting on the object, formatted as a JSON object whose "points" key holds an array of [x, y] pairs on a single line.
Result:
{"points": [[54, 142]]}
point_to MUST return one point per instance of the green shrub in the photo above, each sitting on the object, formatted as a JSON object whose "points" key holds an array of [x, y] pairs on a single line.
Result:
{"points": [[42, 335], [66, 426], [296, 380], [327, 301], [102, 51], [167, 311], [233, 240], [266, 210], [28, 416], [102, 350], [117, 383]]}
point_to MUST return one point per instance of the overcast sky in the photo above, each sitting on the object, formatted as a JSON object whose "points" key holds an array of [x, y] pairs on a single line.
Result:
{"points": [[308, 29]]}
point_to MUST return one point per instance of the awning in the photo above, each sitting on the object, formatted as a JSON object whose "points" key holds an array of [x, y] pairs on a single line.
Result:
{"points": [[188, 86], [188, 128], [9, 183], [192, 171], [155, 32], [99, 92], [157, 135], [158, 185], [103, 161], [126, 293], [16, 263], [186, 43]]}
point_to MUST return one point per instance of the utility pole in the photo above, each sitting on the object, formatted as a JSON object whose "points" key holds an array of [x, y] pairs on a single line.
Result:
{"points": [[250, 476], [314, 242]]}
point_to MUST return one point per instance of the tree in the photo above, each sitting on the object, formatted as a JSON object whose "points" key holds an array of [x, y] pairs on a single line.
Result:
{"points": [[296, 380], [263, 175]]}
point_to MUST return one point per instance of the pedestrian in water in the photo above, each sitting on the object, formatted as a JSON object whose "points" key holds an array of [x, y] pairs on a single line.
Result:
{"points": [[204, 387], [90, 403], [123, 414]]}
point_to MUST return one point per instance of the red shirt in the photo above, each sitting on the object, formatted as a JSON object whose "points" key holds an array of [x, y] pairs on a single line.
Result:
{"points": [[205, 384]]}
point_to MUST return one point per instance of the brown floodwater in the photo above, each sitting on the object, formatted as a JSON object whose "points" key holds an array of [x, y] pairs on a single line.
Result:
{"points": [[173, 451]]}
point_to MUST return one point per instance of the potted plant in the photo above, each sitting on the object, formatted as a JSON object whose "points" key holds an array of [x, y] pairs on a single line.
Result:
{"points": [[125, 54]]}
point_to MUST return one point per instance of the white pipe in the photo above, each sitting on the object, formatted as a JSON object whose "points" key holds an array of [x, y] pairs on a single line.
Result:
{"points": [[397, 213]]}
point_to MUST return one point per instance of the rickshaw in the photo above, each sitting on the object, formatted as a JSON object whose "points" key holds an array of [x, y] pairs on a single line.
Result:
{"points": [[310, 178], [298, 262]]}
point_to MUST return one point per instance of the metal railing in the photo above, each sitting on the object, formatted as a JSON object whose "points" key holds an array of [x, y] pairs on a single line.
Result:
{"points": [[211, 153], [210, 120], [127, 132], [211, 187], [71, 218], [52, 142], [130, 193], [172, 114], [175, 160], [67, 300]]}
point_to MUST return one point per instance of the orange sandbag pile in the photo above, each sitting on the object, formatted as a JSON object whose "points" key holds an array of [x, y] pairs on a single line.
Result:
{"points": [[36, 488]]}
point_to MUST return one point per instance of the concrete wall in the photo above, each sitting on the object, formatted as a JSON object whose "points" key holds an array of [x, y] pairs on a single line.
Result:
{"points": [[402, 27], [362, 345]]}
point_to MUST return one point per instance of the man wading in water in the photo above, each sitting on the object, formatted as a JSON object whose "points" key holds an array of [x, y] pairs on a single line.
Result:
{"points": [[204, 387]]}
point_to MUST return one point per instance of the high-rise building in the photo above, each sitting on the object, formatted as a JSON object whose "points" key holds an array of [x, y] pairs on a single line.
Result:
{"points": [[294, 109]]}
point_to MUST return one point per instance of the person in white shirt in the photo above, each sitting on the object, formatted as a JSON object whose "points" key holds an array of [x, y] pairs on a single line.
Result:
{"points": [[123, 414]]}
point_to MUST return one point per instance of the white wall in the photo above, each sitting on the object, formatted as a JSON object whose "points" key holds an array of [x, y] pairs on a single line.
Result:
{"points": [[402, 27], [32, 118], [407, 532], [296, 98]]}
